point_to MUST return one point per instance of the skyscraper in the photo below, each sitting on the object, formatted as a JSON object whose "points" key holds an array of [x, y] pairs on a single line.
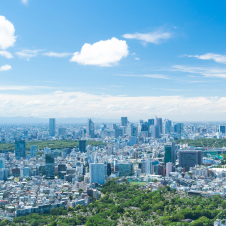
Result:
{"points": [[90, 128], [20, 149], [2, 163], [124, 121], [52, 127], [151, 122], [190, 158], [160, 125], [62, 131], [33, 150], [170, 153], [82, 145], [178, 128], [97, 173], [49, 166], [222, 129], [167, 126]]}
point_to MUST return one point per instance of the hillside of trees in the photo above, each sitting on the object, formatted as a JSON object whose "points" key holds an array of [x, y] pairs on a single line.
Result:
{"points": [[53, 144], [204, 142], [125, 204]]}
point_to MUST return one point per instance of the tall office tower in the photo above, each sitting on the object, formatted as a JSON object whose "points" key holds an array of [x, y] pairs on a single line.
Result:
{"points": [[160, 125], [82, 145], [178, 128], [170, 153], [167, 126], [49, 166], [62, 131], [222, 129], [151, 122], [2, 163], [33, 150], [156, 131], [108, 169], [90, 128], [129, 129], [124, 121], [97, 173], [52, 127], [168, 168], [149, 166], [190, 158], [20, 149]]}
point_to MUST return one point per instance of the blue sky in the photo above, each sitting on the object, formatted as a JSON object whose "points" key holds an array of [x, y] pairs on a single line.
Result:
{"points": [[109, 59]]}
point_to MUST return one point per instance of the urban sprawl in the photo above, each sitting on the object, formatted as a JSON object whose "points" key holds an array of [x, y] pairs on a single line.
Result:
{"points": [[152, 153]]}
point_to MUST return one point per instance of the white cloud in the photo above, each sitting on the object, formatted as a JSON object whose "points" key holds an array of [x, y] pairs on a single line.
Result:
{"points": [[53, 54], [23, 88], [137, 58], [24, 1], [211, 56], [207, 72], [7, 30], [65, 104], [103, 53], [5, 67], [27, 53], [6, 54], [153, 37], [145, 76]]}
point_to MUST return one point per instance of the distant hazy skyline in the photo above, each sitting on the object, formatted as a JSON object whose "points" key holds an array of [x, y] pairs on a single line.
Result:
{"points": [[107, 59]]}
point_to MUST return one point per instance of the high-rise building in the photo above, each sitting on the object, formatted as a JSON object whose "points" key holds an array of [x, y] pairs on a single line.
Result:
{"points": [[178, 128], [170, 153], [97, 173], [148, 166], [52, 127], [25, 172], [108, 169], [82, 145], [190, 158], [49, 166], [160, 125], [124, 168], [20, 149], [168, 168], [90, 128], [151, 122], [222, 129], [2, 163], [62, 131], [124, 121], [167, 126], [33, 150]]}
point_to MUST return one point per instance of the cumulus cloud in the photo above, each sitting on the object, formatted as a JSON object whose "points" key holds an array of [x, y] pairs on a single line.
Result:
{"points": [[54, 54], [7, 30], [211, 56], [206, 71], [154, 37], [103, 53], [27, 53], [5, 67], [6, 54], [146, 76], [65, 104]]}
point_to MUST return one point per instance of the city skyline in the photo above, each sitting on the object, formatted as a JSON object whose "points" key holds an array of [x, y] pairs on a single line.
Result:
{"points": [[162, 58]]}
